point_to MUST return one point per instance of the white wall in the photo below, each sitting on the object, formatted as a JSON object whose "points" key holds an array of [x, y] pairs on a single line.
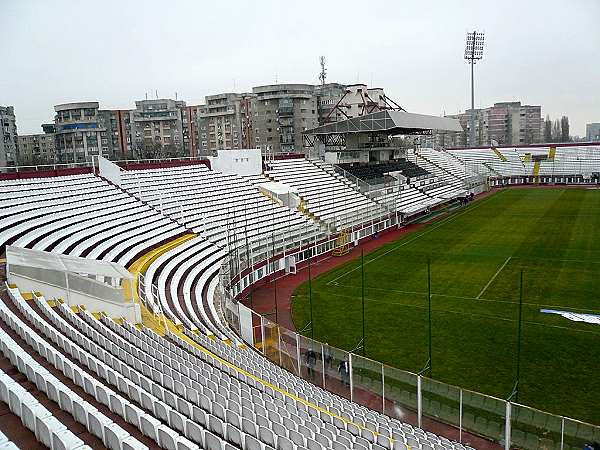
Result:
{"points": [[109, 170], [131, 311], [240, 162]]}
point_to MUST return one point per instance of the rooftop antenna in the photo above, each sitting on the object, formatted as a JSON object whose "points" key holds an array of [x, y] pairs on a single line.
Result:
{"points": [[323, 73], [156, 93], [175, 95], [146, 95]]}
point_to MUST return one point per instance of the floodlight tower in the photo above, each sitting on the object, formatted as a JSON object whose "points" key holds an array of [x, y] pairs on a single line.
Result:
{"points": [[473, 53]]}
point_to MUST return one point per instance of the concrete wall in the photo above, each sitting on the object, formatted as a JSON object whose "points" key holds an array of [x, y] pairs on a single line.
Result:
{"points": [[131, 311], [237, 162]]}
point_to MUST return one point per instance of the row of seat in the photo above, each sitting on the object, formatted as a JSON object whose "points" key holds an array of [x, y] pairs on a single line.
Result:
{"points": [[192, 390], [518, 161], [375, 172], [328, 196], [226, 211]]}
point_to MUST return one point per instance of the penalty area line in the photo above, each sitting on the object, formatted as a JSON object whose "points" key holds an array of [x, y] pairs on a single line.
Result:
{"points": [[494, 277]]}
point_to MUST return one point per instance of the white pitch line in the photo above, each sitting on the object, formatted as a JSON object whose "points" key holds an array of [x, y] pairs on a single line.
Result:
{"points": [[428, 230], [494, 277]]}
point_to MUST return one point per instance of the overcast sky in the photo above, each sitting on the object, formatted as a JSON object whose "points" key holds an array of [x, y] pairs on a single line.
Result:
{"points": [[542, 52]]}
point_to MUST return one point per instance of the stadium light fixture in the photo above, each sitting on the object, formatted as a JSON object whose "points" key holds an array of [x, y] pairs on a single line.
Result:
{"points": [[473, 53]]}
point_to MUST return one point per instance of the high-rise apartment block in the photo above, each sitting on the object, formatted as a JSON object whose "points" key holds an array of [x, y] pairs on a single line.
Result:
{"points": [[505, 123], [224, 123], [8, 137], [592, 132], [280, 114], [79, 135], [36, 149], [160, 128]]}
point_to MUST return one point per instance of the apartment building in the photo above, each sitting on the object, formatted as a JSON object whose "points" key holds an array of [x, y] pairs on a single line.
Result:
{"points": [[504, 123], [280, 114], [8, 137], [116, 138], [36, 149], [329, 96], [592, 132], [79, 133], [224, 123]]}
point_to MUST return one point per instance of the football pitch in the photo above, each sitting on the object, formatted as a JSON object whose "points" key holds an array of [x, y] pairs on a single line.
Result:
{"points": [[476, 255]]}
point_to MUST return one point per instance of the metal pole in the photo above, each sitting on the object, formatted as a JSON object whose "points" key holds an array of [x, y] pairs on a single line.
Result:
{"points": [[323, 363], [362, 285], [507, 431], [383, 389], [562, 433], [460, 414], [312, 334], [351, 376], [519, 337], [298, 354], [419, 402], [262, 335], [275, 293], [429, 309], [473, 100], [279, 344]]}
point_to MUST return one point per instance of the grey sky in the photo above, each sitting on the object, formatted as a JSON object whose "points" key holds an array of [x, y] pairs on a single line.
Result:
{"points": [[540, 52]]}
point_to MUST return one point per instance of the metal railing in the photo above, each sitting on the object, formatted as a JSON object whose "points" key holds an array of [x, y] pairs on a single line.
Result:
{"points": [[84, 164]]}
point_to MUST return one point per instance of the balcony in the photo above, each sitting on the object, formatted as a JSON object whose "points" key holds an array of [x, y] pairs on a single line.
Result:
{"points": [[285, 111], [154, 116]]}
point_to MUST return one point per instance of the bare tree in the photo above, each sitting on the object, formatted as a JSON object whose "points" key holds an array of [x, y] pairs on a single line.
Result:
{"points": [[556, 131], [564, 129], [548, 129]]}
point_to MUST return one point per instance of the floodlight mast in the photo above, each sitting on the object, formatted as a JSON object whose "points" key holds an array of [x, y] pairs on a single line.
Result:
{"points": [[473, 53]]}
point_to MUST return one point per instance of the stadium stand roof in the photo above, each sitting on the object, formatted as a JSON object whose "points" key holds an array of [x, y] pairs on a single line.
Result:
{"points": [[389, 121]]}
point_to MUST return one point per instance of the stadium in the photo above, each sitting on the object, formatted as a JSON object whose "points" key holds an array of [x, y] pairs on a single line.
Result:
{"points": [[363, 296]]}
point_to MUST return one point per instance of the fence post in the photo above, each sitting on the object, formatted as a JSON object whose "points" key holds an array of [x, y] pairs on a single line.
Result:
{"points": [[383, 389], [351, 377], [262, 334], [239, 322], [323, 363], [460, 415], [419, 401], [562, 433], [278, 343], [507, 428], [298, 355]]}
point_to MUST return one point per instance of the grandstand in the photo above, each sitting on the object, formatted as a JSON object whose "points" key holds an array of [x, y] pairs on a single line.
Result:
{"points": [[558, 163], [189, 375]]}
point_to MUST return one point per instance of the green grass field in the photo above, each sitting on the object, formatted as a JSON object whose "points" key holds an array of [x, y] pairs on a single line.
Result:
{"points": [[476, 256]]}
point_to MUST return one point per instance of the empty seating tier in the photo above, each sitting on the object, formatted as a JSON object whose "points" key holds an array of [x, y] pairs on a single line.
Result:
{"points": [[125, 387]]}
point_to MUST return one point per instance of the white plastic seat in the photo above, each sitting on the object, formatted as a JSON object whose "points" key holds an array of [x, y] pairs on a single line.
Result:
{"points": [[46, 427], [31, 412], [212, 442], [65, 440], [167, 438]]}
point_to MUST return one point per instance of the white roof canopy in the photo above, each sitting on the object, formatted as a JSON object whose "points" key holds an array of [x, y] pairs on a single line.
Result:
{"points": [[64, 263]]}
